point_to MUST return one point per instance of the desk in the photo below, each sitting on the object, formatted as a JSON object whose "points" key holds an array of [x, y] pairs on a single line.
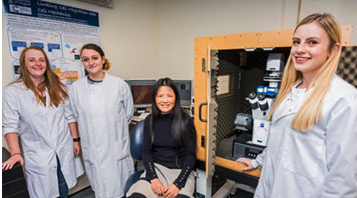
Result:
{"points": [[228, 168]]}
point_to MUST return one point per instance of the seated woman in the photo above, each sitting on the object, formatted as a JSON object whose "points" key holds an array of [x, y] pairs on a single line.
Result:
{"points": [[169, 150]]}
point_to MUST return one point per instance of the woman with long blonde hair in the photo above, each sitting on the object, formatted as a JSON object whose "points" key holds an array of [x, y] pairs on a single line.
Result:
{"points": [[312, 150], [33, 108]]}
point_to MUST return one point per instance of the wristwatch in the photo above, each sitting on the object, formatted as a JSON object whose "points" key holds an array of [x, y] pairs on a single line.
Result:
{"points": [[76, 139]]}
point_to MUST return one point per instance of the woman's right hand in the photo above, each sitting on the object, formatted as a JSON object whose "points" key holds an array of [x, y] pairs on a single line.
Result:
{"points": [[157, 187], [247, 162], [8, 164]]}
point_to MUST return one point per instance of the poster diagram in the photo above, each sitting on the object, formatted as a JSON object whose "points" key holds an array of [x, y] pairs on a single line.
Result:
{"points": [[23, 37], [67, 70], [60, 30], [72, 44]]}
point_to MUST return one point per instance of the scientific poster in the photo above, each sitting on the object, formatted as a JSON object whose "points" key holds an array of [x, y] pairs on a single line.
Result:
{"points": [[60, 30]]}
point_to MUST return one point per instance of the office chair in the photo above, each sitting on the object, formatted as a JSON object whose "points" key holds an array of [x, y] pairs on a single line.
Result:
{"points": [[136, 147]]}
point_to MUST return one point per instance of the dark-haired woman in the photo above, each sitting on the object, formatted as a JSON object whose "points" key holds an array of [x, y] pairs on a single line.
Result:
{"points": [[103, 106], [169, 151], [33, 108]]}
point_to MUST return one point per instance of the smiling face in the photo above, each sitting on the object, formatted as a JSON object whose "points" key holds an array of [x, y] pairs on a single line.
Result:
{"points": [[310, 49], [165, 99], [92, 61], [35, 62]]}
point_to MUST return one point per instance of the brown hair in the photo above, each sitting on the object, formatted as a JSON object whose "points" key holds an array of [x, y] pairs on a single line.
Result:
{"points": [[95, 47], [310, 111], [56, 89]]}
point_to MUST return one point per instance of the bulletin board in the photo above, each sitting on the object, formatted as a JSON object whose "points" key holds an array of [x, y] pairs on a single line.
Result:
{"points": [[59, 29]]}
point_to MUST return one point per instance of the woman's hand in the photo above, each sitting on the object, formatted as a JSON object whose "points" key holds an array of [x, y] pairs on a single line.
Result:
{"points": [[247, 162], [12, 161], [157, 187], [76, 148], [171, 191]]}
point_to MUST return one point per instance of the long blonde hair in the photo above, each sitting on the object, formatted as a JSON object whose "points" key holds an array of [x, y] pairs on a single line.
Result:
{"points": [[56, 90], [310, 111]]}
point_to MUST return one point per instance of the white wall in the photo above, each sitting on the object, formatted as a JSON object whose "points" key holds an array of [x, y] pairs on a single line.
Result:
{"points": [[181, 21], [345, 12], [128, 37], [155, 38]]}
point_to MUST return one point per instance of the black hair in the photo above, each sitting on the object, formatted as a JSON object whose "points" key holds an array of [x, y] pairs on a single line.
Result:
{"points": [[181, 120]]}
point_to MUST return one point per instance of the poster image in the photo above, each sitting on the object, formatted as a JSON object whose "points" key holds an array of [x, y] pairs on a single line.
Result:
{"points": [[60, 30]]}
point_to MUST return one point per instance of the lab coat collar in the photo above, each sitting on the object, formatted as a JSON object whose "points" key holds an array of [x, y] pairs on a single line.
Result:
{"points": [[22, 85], [88, 85], [292, 102]]}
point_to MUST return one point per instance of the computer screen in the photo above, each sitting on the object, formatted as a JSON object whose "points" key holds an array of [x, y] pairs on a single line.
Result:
{"points": [[185, 90], [142, 94], [141, 90]]}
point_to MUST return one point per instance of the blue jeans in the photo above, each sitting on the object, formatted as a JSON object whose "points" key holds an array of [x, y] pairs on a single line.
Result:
{"points": [[62, 185]]}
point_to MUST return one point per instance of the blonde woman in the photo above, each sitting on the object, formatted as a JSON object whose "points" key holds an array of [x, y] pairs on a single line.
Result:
{"points": [[33, 108], [312, 148]]}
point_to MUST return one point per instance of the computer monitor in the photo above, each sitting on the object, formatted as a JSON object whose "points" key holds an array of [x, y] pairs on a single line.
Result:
{"points": [[141, 90], [185, 90]]}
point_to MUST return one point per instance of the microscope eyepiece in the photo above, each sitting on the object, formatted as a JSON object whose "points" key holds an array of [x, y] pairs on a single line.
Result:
{"points": [[263, 103], [252, 95], [261, 97], [253, 100]]}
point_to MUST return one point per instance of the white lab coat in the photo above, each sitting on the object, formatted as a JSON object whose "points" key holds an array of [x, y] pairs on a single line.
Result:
{"points": [[44, 133], [103, 112], [319, 163]]}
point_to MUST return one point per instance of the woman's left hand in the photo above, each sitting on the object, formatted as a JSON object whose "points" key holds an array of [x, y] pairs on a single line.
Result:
{"points": [[9, 164], [247, 162], [76, 148], [171, 191]]}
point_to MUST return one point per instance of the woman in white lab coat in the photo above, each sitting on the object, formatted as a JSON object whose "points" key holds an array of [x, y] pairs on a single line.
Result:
{"points": [[103, 107], [33, 108], [312, 147]]}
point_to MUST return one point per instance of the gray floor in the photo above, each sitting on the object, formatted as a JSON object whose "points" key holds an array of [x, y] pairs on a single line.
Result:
{"points": [[88, 193]]}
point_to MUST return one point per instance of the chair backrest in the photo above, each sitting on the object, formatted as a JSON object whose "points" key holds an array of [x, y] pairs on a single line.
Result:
{"points": [[136, 140]]}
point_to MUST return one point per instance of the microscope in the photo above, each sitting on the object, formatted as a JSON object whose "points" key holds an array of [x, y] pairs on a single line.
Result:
{"points": [[261, 102]]}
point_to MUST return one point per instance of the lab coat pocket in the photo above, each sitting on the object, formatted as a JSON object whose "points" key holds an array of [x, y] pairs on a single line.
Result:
{"points": [[114, 110], [301, 154], [87, 154], [122, 148]]}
